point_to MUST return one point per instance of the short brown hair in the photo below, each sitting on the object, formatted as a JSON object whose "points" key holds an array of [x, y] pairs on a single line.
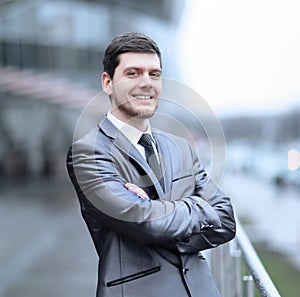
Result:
{"points": [[128, 42]]}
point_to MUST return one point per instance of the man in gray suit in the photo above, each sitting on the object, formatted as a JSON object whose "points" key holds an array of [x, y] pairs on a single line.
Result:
{"points": [[147, 201]]}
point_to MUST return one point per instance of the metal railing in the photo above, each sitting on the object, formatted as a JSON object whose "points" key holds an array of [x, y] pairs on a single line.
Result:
{"points": [[238, 270]]}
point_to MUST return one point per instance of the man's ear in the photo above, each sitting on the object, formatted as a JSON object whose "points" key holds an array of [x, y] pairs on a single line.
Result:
{"points": [[106, 83]]}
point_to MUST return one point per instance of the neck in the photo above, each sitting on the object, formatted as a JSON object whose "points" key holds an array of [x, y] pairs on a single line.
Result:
{"points": [[141, 124]]}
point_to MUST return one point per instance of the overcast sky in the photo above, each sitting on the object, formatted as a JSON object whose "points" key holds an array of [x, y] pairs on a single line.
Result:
{"points": [[242, 56]]}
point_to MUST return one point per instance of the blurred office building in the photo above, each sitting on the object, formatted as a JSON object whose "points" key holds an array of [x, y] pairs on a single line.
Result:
{"points": [[50, 65]]}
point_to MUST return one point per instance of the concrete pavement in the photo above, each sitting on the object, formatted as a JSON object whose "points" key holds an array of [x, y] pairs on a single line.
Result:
{"points": [[45, 249]]}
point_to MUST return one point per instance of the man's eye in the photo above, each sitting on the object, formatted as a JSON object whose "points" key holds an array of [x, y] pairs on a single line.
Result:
{"points": [[132, 73], [155, 74]]}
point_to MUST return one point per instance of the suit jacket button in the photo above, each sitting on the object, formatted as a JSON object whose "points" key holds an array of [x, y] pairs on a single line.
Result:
{"points": [[185, 270]]}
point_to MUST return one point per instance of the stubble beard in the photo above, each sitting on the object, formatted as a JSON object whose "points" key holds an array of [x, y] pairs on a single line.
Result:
{"points": [[135, 113]]}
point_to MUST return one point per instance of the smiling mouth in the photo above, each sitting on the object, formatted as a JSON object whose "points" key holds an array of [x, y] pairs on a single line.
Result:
{"points": [[143, 97]]}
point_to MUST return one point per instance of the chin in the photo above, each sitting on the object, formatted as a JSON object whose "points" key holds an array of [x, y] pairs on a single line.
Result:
{"points": [[145, 115], [140, 113]]}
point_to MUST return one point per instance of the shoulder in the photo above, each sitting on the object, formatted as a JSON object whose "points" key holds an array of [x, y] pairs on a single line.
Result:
{"points": [[87, 140], [94, 140]]}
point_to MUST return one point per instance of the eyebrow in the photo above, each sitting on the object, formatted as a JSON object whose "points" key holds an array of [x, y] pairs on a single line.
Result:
{"points": [[139, 68]]}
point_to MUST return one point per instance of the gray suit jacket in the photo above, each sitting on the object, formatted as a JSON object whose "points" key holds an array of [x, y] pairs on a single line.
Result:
{"points": [[148, 248]]}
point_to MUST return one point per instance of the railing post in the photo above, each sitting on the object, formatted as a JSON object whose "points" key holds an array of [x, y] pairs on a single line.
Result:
{"points": [[236, 255], [248, 286], [216, 260]]}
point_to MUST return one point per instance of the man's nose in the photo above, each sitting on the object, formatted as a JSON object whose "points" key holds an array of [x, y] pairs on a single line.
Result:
{"points": [[145, 81]]}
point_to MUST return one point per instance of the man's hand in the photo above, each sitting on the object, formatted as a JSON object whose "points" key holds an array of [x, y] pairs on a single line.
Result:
{"points": [[137, 190]]}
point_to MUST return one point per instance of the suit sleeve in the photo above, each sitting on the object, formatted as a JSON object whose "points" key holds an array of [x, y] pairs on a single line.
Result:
{"points": [[102, 195], [216, 204]]}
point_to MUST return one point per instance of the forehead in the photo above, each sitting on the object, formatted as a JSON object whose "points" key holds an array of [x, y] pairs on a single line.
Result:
{"points": [[139, 60]]}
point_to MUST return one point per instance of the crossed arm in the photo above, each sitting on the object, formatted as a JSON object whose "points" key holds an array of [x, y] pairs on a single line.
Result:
{"points": [[209, 237], [189, 224]]}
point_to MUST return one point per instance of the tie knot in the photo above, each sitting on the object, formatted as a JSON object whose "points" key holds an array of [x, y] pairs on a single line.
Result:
{"points": [[145, 140]]}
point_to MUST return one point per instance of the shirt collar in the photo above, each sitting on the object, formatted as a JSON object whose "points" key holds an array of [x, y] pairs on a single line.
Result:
{"points": [[132, 133]]}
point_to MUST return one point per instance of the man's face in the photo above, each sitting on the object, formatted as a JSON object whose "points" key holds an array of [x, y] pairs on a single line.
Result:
{"points": [[136, 86]]}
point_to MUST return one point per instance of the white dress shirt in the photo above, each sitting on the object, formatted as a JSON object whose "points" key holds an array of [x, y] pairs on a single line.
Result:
{"points": [[132, 134]]}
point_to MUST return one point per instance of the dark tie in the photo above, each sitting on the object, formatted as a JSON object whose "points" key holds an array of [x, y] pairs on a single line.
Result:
{"points": [[146, 142]]}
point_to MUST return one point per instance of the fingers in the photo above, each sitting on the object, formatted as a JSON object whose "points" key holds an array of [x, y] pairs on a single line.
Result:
{"points": [[137, 190]]}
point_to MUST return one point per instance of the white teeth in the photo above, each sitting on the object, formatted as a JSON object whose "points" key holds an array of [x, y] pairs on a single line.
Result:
{"points": [[143, 97]]}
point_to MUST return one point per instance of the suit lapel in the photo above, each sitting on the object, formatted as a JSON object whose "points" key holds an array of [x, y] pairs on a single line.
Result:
{"points": [[165, 159], [122, 143]]}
